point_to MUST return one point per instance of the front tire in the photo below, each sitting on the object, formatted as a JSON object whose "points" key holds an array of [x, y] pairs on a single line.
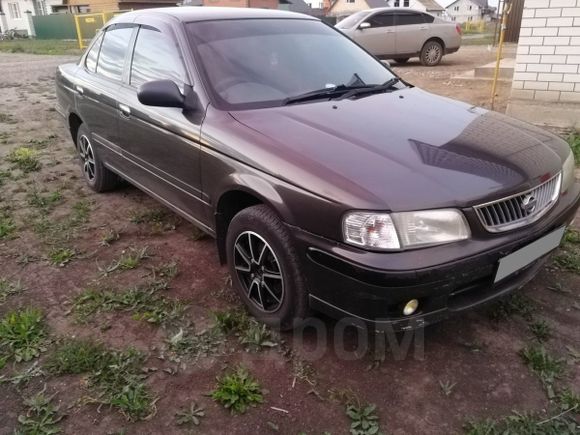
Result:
{"points": [[431, 53], [265, 269], [96, 175]]}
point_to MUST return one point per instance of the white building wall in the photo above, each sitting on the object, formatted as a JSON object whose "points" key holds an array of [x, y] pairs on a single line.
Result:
{"points": [[548, 58], [464, 11]]}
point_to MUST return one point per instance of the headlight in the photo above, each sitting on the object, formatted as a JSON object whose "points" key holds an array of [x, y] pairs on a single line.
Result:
{"points": [[568, 175], [404, 230]]}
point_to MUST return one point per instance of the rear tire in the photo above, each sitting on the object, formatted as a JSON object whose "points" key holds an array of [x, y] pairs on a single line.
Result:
{"points": [[265, 269], [96, 175], [402, 60], [431, 53]]}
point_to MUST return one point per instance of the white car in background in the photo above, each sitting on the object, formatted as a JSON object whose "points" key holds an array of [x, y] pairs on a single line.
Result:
{"points": [[402, 33]]}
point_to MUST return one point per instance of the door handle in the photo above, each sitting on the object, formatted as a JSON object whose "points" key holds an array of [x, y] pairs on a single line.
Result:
{"points": [[125, 111], [423, 28], [79, 89]]}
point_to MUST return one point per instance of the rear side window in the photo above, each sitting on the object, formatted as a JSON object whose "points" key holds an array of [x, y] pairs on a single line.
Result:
{"points": [[113, 50], [382, 20], [155, 58], [93, 54], [428, 18], [405, 19]]}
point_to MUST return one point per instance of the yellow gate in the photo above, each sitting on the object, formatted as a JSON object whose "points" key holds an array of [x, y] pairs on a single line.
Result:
{"points": [[87, 25]]}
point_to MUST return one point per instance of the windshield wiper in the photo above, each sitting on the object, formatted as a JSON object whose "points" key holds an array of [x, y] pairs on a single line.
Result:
{"points": [[324, 93], [370, 90]]}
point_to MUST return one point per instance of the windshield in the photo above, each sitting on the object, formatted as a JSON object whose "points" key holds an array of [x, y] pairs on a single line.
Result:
{"points": [[351, 20], [256, 63]]}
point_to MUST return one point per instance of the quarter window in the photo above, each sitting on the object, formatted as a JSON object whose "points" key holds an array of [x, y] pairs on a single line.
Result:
{"points": [[155, 58], [113, 50], [93, 54]]}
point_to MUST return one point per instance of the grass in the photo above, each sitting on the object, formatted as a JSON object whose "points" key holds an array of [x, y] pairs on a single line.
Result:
{"points": [[116, 376], [568, 257], [252, 335], [41, 46], [516, 304], [44, 202], [541, 330], [41, 416], [522, 423], [109, 237], [237, 391], [569, 401], [61, 256], [447, 387], [7, 118], [25, 159], [144, 302], [7, 226], [544, 365], [4, 175], [76, 356], [22, 334], [159, 220], [196, 345], [191, 416], [58, 232], [574, 141], [485, 39], [364, 420], [130, 258], [9, 288]]}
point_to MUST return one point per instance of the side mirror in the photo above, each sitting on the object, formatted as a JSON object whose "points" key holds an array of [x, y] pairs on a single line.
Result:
{"points": [[364, 25], [160, 93]]}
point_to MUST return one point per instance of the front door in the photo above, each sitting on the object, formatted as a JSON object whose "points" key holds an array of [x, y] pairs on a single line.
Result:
{"points": [[379, 38], [161, 144]]}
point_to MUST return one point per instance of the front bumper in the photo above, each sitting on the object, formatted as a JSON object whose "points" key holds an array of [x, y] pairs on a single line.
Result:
{"points": [[372, 287]]}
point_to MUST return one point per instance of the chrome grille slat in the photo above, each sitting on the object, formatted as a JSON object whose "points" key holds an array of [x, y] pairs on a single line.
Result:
{"points": [[511, 212]]}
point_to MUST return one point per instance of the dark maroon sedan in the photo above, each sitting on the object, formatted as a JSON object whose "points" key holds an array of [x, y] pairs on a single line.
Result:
{"points": [[328, 182]]}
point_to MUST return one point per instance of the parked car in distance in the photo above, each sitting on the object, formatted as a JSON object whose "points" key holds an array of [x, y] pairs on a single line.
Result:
{"points": [[403, 33], [328, 182]]}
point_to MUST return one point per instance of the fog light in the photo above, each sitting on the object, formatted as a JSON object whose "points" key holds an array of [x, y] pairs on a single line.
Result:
{"points": [[411, 307]]}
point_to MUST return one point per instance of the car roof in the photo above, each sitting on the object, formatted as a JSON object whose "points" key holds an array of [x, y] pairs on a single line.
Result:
{"points": [[203, 13], [387, 8]]}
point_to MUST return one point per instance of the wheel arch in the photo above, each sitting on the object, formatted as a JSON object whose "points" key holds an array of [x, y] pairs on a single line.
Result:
{"points": [[434, 38], [74, 123], [235, 199]]}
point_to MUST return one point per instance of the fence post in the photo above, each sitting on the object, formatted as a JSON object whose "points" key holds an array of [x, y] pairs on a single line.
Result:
{"points": [[78, 27], [30, 24], [3, 22]]}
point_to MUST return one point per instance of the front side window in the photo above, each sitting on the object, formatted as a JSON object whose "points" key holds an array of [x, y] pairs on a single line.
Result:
{"points": [[350, 21], [155, 58], [113, 51], [255, 63], [93, 54], [382, 20]]}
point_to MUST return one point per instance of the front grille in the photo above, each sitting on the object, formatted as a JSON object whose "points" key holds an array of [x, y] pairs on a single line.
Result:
{"points": [[521, 209]]}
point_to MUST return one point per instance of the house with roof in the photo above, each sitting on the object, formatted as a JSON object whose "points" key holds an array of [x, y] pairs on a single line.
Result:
{"points": [[344, 8], [463, 11], [15, 14]]}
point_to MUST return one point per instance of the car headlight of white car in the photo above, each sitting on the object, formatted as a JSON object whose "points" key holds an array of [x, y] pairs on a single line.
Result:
{"points": [[396, 231], [568, 175]]}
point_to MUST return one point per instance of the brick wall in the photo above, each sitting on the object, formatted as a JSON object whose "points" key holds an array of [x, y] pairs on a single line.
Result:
{"points": [[548, 57]]}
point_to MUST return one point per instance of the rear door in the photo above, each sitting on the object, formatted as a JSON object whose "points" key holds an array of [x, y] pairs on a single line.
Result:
{"points": [[161, 144], [412, 31], [379, 38], [97, 85]]}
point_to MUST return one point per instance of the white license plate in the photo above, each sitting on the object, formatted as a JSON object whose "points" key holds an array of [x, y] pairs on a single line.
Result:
{"points": [[528, 254]]}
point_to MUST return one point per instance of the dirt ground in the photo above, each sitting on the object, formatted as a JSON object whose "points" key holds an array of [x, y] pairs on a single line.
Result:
{"points": [[465, 368]]}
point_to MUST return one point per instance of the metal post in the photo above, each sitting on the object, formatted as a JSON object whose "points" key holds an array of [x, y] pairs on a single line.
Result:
{"points": [[504, 16], [78, 27]]}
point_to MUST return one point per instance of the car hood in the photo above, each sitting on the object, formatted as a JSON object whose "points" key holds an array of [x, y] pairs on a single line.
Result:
{"points": [[403, 150]]}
